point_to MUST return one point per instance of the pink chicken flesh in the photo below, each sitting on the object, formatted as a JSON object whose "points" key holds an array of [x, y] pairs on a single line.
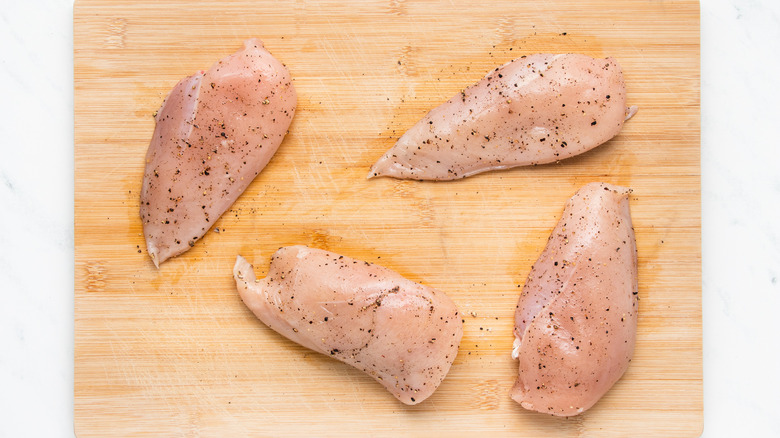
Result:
{"points": [[533, 110], [401, 333], [575, 323], [214, 133]]}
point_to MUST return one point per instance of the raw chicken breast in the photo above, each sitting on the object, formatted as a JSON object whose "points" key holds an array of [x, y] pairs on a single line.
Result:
{"points": [[401, 333], [575, 323], [215, 132], [533, 110]]}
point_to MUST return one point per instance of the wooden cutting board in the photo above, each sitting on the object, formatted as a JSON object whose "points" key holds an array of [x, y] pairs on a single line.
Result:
{"points": [[174, 352]]}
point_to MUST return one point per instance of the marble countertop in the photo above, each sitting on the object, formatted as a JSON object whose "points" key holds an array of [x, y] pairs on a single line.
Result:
{"points": [[740, 58]]}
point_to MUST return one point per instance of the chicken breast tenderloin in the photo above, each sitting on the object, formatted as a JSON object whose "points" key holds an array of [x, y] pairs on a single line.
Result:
{"points": [[575, 323], [214, 133], [533, 110], [403, 334]]}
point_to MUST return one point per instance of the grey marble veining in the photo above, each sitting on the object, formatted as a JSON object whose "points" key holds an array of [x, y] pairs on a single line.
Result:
{"points": [[36, 223], [740, 215]]}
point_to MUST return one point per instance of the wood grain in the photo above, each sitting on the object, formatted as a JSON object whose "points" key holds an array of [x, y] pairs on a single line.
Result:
{"points": [[174, 352]]}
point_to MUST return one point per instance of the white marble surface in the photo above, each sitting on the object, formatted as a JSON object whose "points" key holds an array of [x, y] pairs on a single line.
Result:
{"points": [[741, 217], [740, 242]]}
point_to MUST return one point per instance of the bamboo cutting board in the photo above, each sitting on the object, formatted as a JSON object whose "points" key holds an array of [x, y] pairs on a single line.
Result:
{"points": [[174, 352]]}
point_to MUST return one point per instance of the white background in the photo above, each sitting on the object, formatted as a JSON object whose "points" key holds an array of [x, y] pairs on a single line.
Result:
{"points": [[740, 54]]}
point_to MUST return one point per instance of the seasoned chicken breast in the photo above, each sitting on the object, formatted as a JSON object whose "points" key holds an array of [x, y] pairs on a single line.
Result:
{"points": [[533, 110], [215, 132], [575, 323], [401, 333]]}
